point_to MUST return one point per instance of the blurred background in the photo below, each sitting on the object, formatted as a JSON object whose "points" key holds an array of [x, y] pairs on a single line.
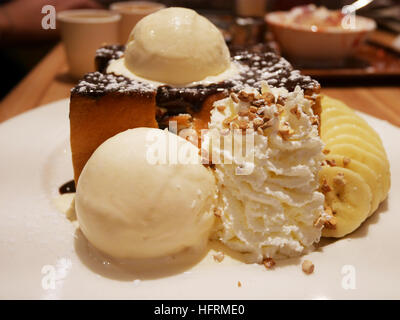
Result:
{"points": [[24, 43]]}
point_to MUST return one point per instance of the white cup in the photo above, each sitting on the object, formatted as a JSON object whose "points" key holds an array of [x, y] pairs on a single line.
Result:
{"points": [[131, 12], [83, 31]]}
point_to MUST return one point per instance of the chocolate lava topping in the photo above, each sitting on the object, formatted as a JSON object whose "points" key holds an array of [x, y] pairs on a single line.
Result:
{"points": [[257, 65]]}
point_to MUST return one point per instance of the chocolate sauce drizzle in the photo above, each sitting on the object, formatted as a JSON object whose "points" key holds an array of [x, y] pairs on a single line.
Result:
{"points": [[68, 187]]}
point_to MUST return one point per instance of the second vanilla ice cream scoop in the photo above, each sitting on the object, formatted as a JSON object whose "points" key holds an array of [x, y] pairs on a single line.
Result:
{"points": [[132, 204], [175, 46]]}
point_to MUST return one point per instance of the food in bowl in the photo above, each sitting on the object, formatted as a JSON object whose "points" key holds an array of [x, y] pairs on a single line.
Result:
{"points": [[317, 37], [311, 167]]}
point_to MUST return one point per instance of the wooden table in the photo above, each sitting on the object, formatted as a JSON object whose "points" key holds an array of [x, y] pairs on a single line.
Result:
{"points": [[49, 82]]}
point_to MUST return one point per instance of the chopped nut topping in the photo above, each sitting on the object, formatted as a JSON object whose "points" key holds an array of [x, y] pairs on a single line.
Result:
{"points": [[219, 256], [314, 120], [269, 263], [307, 267], [285, 132], [243, 112], [228, 120], [243, 124], [268, 97], [265, 125], [234, 97], [346, 161], [259, 103], [326, 151], [252, 116], [260, 111], [221, 108], [331, 222], [246, 97], [253, 109], [281, 100], [339, 179], [331, 162], [296, 112], [239, 284], [258, 122], [325, 188]]}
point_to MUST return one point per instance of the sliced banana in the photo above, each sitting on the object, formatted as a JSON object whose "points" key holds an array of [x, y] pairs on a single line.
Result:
{"points": [[355, 140], [366, 173], [357, 149], [349, 197], [348, 119], [378, 165], [333, 113], [350, 129]]}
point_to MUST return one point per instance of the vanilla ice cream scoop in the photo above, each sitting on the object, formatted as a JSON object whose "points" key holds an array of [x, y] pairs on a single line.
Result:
{"points": [[176, 46], [130, 205]]}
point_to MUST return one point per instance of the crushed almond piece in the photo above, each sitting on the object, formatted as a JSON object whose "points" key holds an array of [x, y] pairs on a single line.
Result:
{"points": [[296, 112], [339, 179], [331, 162], [346, 161], [258, 122], [253, 109], [219, 256], [259, 103], [221, 108], [265, 125], [234, 97], [281, 100], [326, 151], [243, 124], [268, 97], [307, 267], [285, 132], [243, 113], [331, 223], [325, 188], [246, 97], [228, 120], [252, 116], [314, 120], [269, 263]]}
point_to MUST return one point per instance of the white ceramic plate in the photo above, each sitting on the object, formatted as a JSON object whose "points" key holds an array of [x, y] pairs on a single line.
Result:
{"points": [[40, 248]]}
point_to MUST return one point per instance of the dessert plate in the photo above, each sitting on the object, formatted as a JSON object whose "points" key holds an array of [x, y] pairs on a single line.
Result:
{"points": [[43, 256]]}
